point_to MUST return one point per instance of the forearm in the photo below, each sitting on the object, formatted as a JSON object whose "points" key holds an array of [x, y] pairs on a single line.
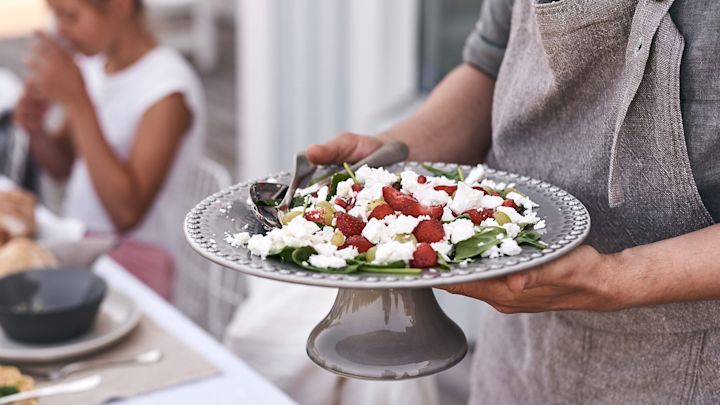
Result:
{"points": [[112, 179], [684, 268], [53, 154], [454, 123]]}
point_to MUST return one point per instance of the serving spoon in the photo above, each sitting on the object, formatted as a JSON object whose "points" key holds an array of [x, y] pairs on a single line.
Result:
{"points": [[261, 192]]}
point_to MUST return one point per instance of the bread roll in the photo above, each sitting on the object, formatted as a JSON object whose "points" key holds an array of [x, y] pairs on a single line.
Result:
{"points": [[22, 254]]}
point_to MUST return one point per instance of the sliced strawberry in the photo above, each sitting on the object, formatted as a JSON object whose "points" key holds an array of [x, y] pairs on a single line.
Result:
{"points": [[421, 179], [430, 230], [424, 256], [448, 189], [477, 216], [359, 241], [348, 224], [342, 202], [509, 203], [478, 188], [356, 187], [408, 205], [381, 211], [315, 215]]}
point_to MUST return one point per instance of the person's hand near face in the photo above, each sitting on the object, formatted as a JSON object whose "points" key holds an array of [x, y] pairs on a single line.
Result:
{"points": [[53, 72]]}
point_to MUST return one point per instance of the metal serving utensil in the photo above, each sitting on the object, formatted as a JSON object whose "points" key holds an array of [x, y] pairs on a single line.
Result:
{"points": [[270, 217]]}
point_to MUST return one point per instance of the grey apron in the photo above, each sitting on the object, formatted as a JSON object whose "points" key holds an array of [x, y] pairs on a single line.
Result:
{"points": [[588, 98]]}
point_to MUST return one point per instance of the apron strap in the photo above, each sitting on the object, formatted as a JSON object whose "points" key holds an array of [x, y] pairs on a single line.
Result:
{"points": [[646, 21]]}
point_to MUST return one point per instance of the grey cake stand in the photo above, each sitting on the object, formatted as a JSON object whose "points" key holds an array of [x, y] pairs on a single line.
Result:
{"points": [[384, 327]]}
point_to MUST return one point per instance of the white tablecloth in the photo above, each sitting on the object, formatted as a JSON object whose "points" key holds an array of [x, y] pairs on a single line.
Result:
{"points": [[238, 384]]}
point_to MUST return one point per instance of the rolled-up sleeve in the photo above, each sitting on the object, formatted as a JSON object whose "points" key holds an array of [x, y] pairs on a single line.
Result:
{"points": [[485, 46]]}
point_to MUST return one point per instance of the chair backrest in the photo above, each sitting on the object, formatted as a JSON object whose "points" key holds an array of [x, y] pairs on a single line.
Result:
{"points": [[205, 292]]}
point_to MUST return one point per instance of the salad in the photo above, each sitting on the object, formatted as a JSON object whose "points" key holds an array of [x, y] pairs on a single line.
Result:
{"points": [[376, 221]]}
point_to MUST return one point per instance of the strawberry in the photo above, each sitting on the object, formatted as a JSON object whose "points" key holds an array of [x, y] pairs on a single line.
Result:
{"points": [[359, 241], [315, 215], [430, 230], [341, 202], [421, 179], [510, 203], [408, 205], [477, 216], [381, 211], [348, 224], [448, 189], [424, 256], [356, 187]]}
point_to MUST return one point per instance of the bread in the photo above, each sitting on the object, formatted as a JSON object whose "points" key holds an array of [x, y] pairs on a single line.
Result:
{"points": [[22, 254], [17, 213], [11, 377]]}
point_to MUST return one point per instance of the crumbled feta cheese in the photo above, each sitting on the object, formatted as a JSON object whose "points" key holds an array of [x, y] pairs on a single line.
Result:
{"points": [[540, 224], [447, 214], [260, 245], [521, 200], [300, 227], [511, 213], [325, 249], [324, 261], [459, 230], [375, 231], [307, 190], [491, 201], [442, 248], [238, 239], [475, 175], [402, 224], [409, 181], [492, 253], [465, 198], [512, 230], [370, 176], [440, 181], [347, 253], [430, 196], [344, 188], [322, 193], [393, 251], [509, 247], [490, 222], [529, 217]]}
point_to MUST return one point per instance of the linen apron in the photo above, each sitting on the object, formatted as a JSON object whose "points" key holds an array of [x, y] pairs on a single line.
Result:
{"points": [[588, 98]]}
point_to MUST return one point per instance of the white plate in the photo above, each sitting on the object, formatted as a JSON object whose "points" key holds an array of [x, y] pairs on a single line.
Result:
{"points": [[117, 317]]}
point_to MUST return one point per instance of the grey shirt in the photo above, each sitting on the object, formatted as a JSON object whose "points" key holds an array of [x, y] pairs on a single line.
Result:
{"points": [[699, 22]]}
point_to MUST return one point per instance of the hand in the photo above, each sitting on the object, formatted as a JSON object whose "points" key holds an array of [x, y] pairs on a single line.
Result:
{"points": [[53, 71], [346, 147], [582, 280], [29, 112]]}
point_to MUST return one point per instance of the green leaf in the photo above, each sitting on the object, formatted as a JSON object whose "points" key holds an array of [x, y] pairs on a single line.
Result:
{"points": [[442, 263], [336, 179], [451, 174], [297, 202], [6, 390], [530, 237], [350, 172], [478, 244], [285, 254]]}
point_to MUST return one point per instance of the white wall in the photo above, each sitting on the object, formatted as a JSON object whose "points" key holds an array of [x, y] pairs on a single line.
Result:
{"points": [[312, 68]]}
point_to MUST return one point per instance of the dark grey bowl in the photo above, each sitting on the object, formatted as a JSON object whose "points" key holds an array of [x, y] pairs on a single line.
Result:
{"points": [[48, 306]]}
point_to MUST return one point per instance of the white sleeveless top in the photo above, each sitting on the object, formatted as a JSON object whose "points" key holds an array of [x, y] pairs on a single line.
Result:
{"points": [[120, 100]]}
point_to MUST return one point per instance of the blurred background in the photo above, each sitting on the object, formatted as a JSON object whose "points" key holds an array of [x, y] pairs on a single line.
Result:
{"points": [[281, 74]]}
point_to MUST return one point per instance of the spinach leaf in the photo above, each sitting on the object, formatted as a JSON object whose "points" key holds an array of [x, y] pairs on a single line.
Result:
{"points": [[297, 202], [6, 390], [478, 244], [450, 174], [530, 237], [442, 263], [270, 202], [336, 179]]}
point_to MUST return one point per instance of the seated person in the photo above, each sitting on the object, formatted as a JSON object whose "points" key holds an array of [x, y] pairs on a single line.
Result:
{"points": [[132, 126]]}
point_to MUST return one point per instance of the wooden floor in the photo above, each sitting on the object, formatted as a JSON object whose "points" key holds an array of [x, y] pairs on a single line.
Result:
{"points": [[219, 92]]}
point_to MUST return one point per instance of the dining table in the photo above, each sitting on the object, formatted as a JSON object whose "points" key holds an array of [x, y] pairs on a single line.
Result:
{"points": [[235, 383]]}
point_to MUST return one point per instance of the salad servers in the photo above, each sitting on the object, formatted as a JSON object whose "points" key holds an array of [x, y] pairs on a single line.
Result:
{"points": [[53, 374], [262, 193]]}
